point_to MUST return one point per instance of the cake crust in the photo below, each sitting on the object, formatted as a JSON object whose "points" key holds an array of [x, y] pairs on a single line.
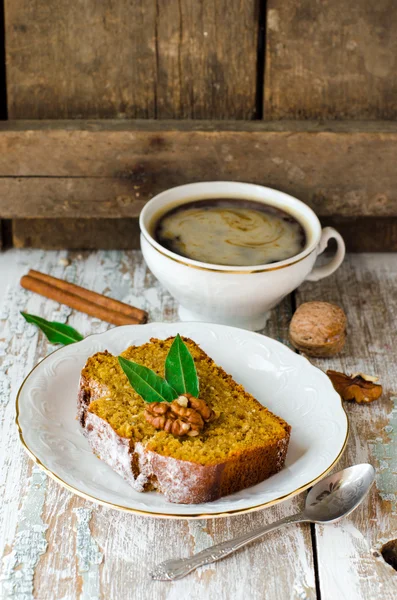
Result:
{"points": [[181, 481]]}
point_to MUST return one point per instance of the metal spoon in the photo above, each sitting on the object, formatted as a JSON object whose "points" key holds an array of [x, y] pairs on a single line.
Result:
{"points": [[328, 501]]}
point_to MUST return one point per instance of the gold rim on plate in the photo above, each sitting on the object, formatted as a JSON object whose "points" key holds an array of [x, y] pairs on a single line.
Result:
{"points": [[144, 513]]}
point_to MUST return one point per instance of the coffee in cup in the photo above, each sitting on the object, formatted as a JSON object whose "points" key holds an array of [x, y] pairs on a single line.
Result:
{"points": [[230, 231]]}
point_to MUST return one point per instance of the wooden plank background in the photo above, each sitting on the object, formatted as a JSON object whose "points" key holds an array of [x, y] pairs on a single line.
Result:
{"points": [[75, 170], [333, 59], [221, 61], [366, 234], [365, 287], [75, 234], [131, 59]]}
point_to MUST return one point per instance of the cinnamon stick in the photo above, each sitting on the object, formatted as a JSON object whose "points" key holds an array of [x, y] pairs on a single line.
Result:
{"points": [[91, 303], [105, 301]]}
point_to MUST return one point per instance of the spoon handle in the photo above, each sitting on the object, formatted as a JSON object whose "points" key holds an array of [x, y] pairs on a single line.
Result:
{"points": [[178, 568]]}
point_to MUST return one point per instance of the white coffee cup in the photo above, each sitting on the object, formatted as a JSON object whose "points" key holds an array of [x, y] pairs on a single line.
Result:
{"points": [[239, 296]]}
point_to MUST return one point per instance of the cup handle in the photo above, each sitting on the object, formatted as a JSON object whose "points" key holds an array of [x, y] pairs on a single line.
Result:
{"points": [[320, 272]]}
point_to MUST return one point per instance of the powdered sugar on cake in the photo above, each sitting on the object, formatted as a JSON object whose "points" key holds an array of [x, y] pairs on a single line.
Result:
{"points": [[180, 480], [112, 449], [173, 477]]}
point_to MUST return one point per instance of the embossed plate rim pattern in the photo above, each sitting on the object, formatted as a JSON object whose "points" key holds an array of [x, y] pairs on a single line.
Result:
{"points": [[144, 332]]}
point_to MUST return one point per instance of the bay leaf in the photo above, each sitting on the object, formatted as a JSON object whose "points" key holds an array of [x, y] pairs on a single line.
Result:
{"points": [[56, 333], [180, 370], [150, 386]]}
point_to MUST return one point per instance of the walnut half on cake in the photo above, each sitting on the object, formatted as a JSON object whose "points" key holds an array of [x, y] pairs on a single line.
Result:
{"points": [[241, 444]]}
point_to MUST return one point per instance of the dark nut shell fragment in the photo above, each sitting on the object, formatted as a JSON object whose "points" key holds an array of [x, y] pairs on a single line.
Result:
{"points": [[389, 553], [359, 388]]}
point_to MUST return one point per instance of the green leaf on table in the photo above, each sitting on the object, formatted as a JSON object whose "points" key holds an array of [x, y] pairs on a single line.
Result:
{"points": [[180, 370], [56, 333], [150, 386]]}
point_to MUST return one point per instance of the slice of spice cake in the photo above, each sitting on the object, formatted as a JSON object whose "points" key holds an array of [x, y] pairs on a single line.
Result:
{"points": [[191, 450]]}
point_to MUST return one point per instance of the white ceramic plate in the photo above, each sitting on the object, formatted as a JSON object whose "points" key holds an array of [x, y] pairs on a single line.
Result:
{"points": [[280, 379]]}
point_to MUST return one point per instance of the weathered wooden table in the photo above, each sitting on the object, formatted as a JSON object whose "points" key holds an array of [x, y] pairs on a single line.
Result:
{"points": [[55, 545]]}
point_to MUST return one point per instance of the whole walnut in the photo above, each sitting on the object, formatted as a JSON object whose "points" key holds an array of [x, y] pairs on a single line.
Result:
{"points": [[318, 329]]}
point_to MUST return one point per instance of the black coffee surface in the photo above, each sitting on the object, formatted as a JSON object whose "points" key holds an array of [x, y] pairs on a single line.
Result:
{"points": [[231, 232]]}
